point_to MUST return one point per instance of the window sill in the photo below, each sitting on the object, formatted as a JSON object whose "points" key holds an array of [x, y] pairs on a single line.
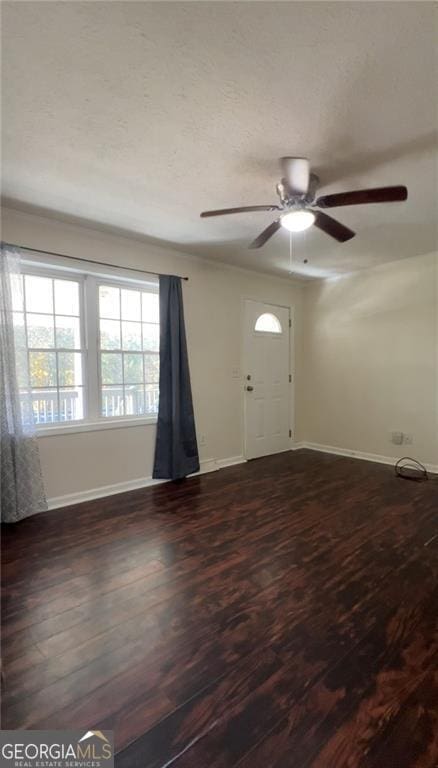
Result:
{"points": [[93, 426]]}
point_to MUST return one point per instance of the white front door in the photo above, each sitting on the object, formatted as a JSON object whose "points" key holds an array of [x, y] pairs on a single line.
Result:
{"points": [[266, 379]]}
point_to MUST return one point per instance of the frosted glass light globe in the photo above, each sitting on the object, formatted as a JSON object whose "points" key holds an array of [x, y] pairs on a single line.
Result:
{"points": [[297, 221]]}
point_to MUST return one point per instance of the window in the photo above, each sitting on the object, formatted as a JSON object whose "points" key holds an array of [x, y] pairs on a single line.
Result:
{"points": [[128, 351], [47, 321], [91, 346], [268, 323]]}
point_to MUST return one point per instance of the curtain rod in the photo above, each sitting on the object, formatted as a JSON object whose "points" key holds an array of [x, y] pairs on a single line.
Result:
{"points": [[88, 261]]}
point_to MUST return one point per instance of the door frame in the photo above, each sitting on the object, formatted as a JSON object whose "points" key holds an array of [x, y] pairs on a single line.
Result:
{"points": [[292, 367]]}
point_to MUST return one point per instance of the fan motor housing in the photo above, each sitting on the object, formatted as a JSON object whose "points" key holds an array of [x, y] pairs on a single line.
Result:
{"points": [[297, 174]]}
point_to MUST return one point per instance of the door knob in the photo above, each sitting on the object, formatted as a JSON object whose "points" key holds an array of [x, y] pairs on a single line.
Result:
{"points": [[249, 388]]}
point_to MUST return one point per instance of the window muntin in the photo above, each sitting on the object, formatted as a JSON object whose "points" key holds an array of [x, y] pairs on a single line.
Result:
{"points": [[128, 351], [48, 332], [268, 323]]}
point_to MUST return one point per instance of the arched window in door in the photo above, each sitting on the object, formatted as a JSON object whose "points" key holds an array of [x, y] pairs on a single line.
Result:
{"points": [[268, 323]]}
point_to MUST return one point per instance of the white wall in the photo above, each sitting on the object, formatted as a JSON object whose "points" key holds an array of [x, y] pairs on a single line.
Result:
{"points": [[371, 359], [213, 301], [365, 357]]}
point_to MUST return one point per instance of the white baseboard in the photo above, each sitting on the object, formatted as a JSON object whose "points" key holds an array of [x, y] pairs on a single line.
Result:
{"points": [[230, 462], [377, 458], [213, 465], [56, 502], [208, 465]]}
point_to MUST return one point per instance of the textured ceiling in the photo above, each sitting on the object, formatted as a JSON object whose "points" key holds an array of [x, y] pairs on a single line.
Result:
{"points": [[139, 115]]}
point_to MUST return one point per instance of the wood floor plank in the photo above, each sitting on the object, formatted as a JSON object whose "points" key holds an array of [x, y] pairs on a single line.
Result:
{"points": [[249, 596], [306, 652], [274, 613], [344, 714]]}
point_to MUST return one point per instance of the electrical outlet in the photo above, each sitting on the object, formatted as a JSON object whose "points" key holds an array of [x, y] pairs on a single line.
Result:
{"points": [[408, 439], [202, 440], [397, 438]]}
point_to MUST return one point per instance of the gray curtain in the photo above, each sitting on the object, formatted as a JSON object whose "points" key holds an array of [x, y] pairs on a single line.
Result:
{"points": [[176, 449], [21, 485]]}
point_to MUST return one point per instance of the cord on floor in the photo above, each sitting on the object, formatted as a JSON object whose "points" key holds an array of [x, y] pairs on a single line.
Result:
{"points": [[411, 469]]}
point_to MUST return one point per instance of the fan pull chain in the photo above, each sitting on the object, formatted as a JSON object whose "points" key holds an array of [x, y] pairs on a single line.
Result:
{"points": [[290, 254]]}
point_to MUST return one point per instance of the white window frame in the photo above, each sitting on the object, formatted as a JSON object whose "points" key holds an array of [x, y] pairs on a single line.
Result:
{"points": [[89, 320], [53, 274], [96, 326]]}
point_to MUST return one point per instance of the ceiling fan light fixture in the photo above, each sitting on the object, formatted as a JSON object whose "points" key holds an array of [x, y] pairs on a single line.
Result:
{"points": [[297, 221]]}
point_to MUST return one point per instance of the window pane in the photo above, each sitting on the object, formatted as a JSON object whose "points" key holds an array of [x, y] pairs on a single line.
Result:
{"points": [[21, 363], [20, 349], [17, 292], [110, 334], [46, 334], [19, 335], [131, 305], [69, 368], [111, 366], [131, 335], [40, 331], [109, 301], [151, 368], [71, 404], [45, 405], [124, 373], [112, 401], [151, 337], [133, 368], [268, 323], [66, 297], [150, 307], [68, 334], [42, 369], [39, 297], [151, 399], [134, 400]]}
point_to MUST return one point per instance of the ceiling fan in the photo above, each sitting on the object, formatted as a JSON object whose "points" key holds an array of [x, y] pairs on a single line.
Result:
{"points": [[298, 203]]}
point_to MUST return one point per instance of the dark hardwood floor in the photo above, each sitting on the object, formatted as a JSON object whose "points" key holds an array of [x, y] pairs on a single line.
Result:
{"points": [[280, 613]]}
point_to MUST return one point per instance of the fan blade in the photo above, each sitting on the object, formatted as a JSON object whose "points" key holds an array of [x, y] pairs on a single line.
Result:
{"points": [[245, 209], [360, 196], [332, 227], [266, 234]]}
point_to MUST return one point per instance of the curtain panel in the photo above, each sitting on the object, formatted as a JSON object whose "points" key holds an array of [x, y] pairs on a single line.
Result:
{"points": [[176, 449], [21, 484]]}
